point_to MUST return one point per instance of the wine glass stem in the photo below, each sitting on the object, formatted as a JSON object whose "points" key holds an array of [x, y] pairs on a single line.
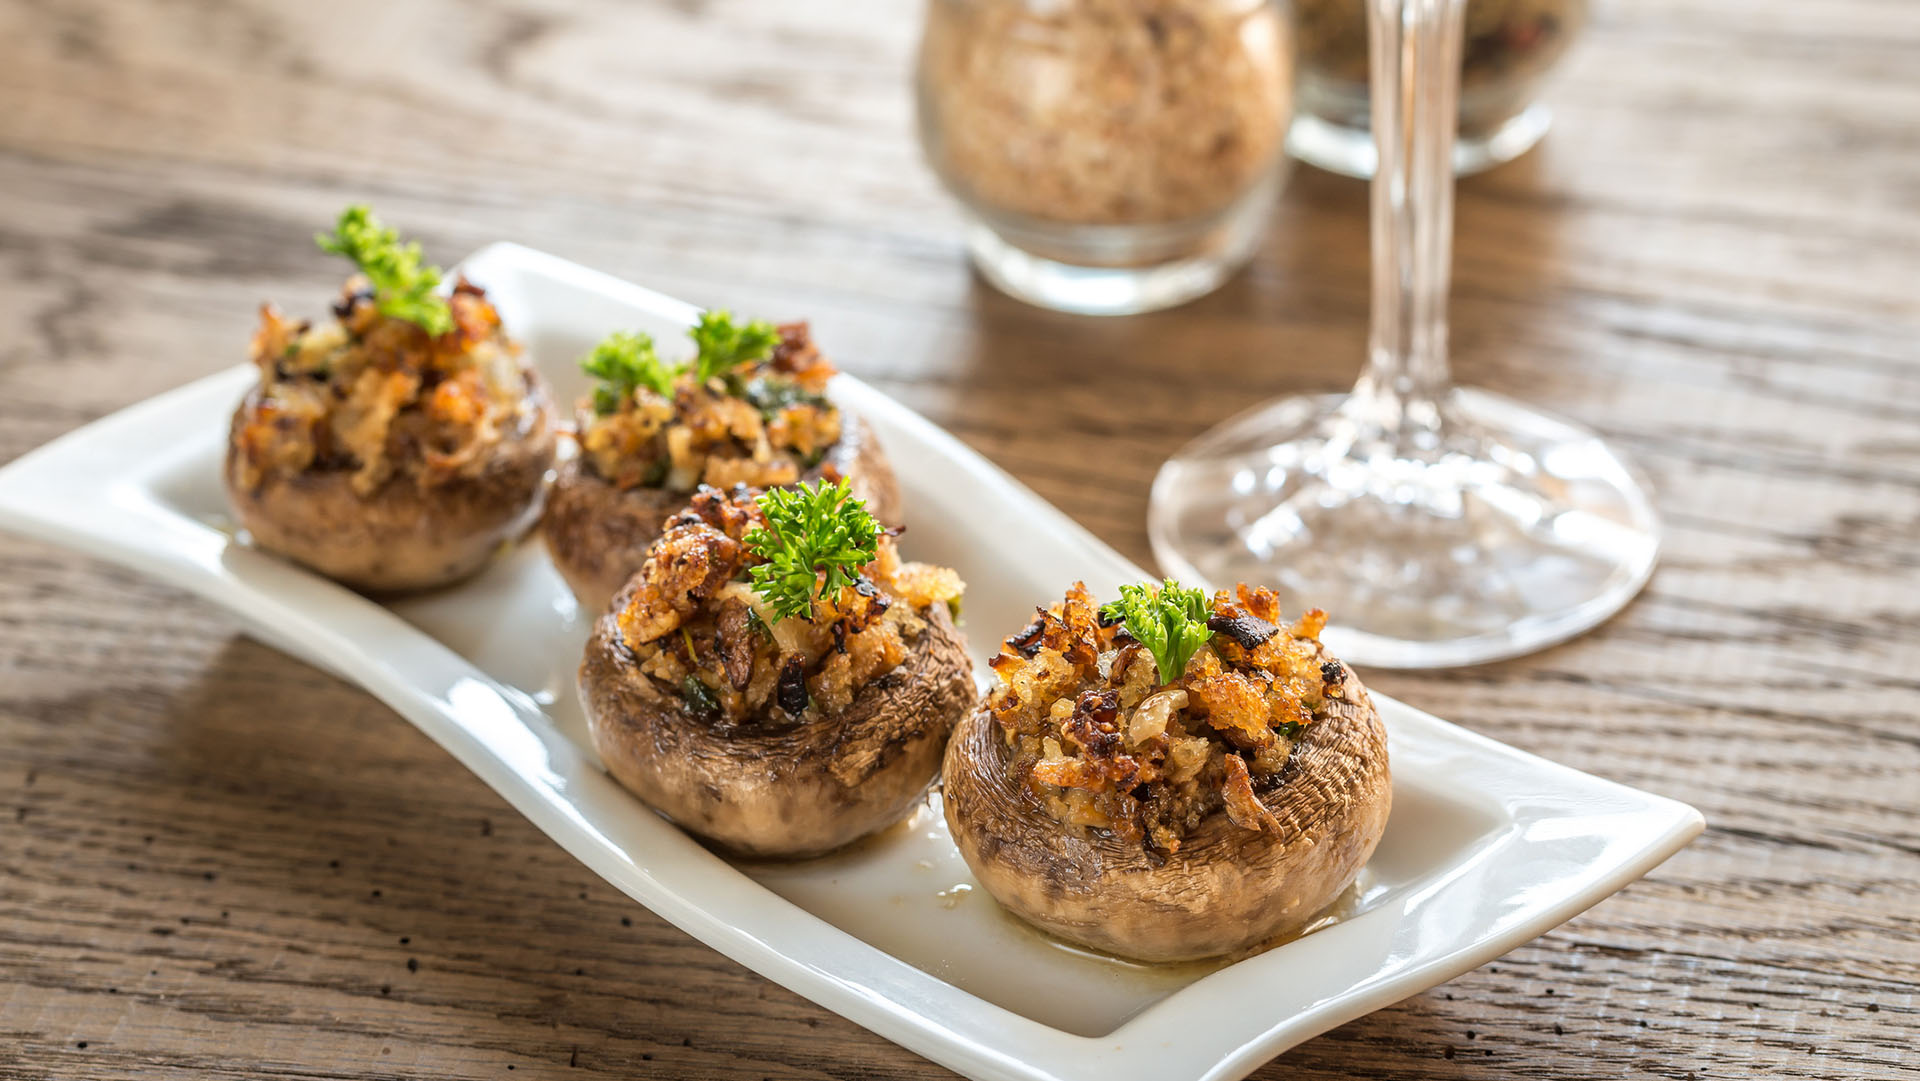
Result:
{"points": [[1415, 65]]}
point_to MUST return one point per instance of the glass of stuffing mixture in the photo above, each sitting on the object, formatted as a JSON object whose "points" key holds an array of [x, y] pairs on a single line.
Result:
{"points": [[1113, 156], [1510, 47]]}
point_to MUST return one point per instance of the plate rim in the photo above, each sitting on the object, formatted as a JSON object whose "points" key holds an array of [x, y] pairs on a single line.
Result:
{"points": [[108, 509]]}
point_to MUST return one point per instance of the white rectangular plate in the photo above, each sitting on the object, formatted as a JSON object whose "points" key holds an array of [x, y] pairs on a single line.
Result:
{"points": [[1487, 847]]}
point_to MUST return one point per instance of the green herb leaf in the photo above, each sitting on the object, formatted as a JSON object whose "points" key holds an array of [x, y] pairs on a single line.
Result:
{"points": [[725, 345], [770, 396], [699, 698], [816, 539], [622, 362], [1170, 621], [403, 286]]}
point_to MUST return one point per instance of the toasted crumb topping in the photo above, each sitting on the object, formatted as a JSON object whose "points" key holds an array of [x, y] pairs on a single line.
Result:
{"points": [[379, 397], [696, 626], [762, 425], [1105, 744]]}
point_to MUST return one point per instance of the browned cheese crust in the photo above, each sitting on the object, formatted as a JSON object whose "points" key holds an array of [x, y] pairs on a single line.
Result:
{"points": [[598, 533], [792, 791], [403, 536], [1226, 889]]}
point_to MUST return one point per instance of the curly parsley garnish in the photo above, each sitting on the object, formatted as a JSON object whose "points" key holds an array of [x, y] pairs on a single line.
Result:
{"points": [[624, 361], [816, 539], [725, 345], [1170, 621], [403, 286]]}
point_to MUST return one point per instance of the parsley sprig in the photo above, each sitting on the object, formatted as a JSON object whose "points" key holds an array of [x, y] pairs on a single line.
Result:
{"points": [[816, 539], [725, 345], [623, 362], [1170, 621], [403, 285], [626, 360]]}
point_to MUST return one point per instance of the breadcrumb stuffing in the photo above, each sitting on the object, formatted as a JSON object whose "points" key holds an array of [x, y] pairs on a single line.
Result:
{"points": [[1105, 744], [694, 614], [381, 398], [762, 425], [1104, 112]]}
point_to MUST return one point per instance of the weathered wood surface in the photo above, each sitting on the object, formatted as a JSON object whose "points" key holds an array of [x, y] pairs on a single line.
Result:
{"points": [[217, 862]]}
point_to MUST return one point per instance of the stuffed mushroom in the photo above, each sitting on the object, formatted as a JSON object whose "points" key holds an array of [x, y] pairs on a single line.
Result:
{"points": [[1171, 777], [750, 407], [774, 678], [399, 446]]}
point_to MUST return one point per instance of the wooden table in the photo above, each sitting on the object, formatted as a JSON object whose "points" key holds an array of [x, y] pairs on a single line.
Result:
{"points": [[219, 862]]}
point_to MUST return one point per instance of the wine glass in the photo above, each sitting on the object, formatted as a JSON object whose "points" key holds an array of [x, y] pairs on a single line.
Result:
{"points": [[1439, 525]]}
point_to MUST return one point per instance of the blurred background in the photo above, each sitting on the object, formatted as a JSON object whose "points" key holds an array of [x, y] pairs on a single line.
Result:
{"points": [[164, 162]]}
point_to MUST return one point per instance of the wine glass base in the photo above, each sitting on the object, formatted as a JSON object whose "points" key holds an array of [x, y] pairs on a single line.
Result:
{"points": [[1349, 151], [1499, 532]]}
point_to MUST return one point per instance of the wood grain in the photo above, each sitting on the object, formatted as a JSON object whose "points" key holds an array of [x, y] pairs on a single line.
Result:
{"points": [[220, 863]]}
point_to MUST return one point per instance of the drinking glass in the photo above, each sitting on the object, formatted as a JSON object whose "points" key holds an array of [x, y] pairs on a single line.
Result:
{"points": [[1509, 48], [1111, 156], [1439, 525]]}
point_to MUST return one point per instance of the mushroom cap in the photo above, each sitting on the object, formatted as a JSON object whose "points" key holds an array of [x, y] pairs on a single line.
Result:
{"points": [[786, 791], [1226, 889], [403, 536], [598, 534]]}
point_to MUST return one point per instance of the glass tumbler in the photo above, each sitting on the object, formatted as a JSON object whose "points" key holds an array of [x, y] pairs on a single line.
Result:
{"points": [[1509, 48], [1112, 156]]}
